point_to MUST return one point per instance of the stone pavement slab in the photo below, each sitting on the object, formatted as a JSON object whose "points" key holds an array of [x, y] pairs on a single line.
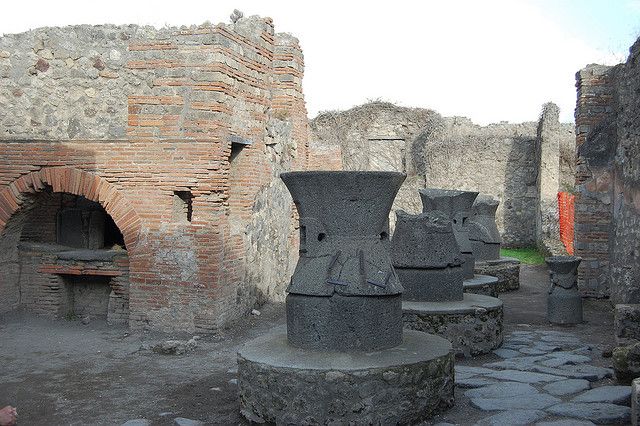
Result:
{"points": [[567, 387], [599, 413], [544, 371], [580, 371], [620, 395], [501, 390], [513, 417], [519, 402], [561, 358], [182, 421], [474, 382], [506, 353], [524, 376], [464, 369], [137, 422], [566, 422]]}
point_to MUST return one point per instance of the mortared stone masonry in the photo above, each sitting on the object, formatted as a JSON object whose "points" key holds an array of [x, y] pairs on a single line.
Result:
{"points": [[179, 134]]}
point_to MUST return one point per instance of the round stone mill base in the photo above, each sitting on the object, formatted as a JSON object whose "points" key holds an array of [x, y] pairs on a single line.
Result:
{"points": [[402, 385], [481, 284], [506, 269], [472, 325]]}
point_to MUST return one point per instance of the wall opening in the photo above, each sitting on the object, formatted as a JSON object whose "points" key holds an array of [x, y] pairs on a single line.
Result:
{"points": [[70, 220], [240, 168], [86, 296], [183, 205], [236, 149], [237, 145], [72, 260]]}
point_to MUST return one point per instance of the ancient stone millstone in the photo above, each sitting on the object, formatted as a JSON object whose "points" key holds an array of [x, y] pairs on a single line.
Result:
{"points": [[426, 257], [564, 303], [344, 357], [485, 243], [456, 205], [344, 293], [483, 231]]}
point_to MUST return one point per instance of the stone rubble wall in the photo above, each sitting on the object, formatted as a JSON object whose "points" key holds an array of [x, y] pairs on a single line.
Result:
{"points": [[451, 153], [325, 157], [625, 241], [548, 178], [607, 221], [131, 117]]}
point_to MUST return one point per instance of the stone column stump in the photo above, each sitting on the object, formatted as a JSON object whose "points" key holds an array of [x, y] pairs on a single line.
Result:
{"points": [[564, 302], [486, 242]]}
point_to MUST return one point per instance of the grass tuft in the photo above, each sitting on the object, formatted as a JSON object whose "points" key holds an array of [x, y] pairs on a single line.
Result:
{"points": [[527, 255]]}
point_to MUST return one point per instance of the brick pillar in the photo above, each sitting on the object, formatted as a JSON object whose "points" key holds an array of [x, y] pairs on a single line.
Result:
{"points": [[595, 142]]}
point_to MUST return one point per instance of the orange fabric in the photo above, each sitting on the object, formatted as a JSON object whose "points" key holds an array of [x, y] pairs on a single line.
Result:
{"points": [[566, 206]]}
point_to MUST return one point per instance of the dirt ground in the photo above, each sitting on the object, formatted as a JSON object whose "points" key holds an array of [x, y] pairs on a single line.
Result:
{"points": [[67, 373]]}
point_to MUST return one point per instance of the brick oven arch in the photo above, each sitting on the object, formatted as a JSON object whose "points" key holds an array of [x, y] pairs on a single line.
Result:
{"points": [[77, 182]]}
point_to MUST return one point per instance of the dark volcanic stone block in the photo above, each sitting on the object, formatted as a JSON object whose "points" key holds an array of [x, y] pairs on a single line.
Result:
{"points": [[456, 205], [424, 241], [483, 231], [344, 323], [344, 294], [481, 284], [344, 236], [627, 323], [564, 302], [432, 285], [473, 325], [506, 269], [426, 257]]}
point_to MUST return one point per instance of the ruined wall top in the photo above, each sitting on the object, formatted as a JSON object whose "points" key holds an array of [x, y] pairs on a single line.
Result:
{"points": [[82, 82], [448, 152]]}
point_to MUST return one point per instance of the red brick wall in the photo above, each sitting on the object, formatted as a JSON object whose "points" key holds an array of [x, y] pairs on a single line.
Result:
{"points": [[593, 207], [203, 87], [40, 225]]}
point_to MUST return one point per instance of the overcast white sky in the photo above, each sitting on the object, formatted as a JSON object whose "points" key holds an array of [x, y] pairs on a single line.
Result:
{"points": [[487, 60]]}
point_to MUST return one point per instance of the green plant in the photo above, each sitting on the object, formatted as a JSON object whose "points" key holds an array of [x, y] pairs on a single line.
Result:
{"points": [[526, 255], [71, 316]]}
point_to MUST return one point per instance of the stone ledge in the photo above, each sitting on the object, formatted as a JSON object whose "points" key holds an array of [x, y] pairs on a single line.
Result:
{"points": [[481, 284], [473, 325], [469, 305]]}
